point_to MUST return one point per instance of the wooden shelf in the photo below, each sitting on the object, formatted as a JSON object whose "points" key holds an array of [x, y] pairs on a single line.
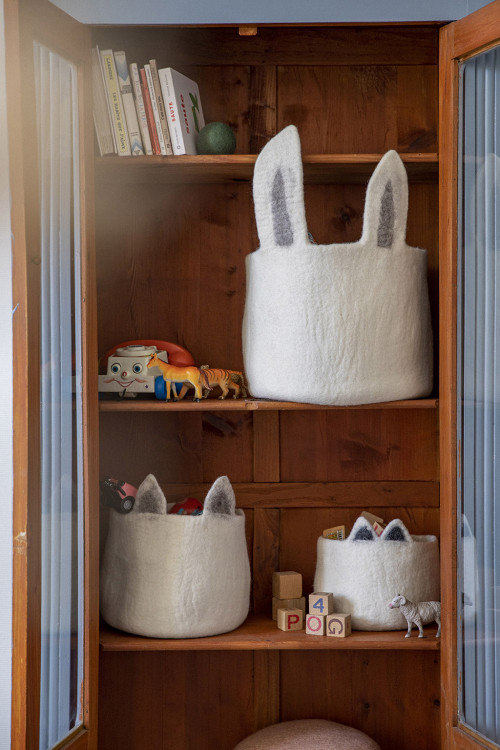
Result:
{"points": [[318, 168], [249, 404], [261, 633]]}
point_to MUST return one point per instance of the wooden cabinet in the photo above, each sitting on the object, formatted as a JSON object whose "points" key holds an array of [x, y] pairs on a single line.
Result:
{"points": [[171, 239]]}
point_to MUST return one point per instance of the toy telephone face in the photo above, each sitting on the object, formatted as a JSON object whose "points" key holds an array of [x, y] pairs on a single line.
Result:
{"points": [[129, 364]]}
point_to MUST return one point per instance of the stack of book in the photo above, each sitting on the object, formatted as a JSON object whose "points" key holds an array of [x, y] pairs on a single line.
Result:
{"points": [[143, 110]]}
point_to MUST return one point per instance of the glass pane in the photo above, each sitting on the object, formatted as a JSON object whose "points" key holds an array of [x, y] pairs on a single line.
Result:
{"points": [[478, 410], [61, 404]]}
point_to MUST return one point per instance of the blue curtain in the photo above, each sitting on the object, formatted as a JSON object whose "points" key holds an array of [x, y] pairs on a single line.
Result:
{"points": [[478, 410], [60, 400]]}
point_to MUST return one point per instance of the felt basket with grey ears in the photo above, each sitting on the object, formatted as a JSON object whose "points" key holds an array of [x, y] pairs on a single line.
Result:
{"points": [[365, 572], [339, 323], [176, 576]]}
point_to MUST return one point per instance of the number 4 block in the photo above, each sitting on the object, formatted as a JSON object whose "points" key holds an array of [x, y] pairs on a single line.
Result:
{"points": [[320, 603]]}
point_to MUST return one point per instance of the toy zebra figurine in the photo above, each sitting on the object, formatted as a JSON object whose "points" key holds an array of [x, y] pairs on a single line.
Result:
{"points": [[189, 375]]}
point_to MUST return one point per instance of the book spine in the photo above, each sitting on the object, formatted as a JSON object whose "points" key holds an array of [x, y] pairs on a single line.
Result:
{"points": [[102, 121], [154, 105], [172, 111], [155, 143], [141, 109], [161, 107], [116, 104], [134, 132]]}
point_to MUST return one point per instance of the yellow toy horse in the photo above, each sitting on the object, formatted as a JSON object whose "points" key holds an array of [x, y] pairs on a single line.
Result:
{"points": [[189, 375]]}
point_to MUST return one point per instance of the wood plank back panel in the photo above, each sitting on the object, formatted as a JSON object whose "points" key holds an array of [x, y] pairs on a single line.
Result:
{"points": [[197, 700], [178, 447], [373, 692], [324, 102], [372, 44], [351, 445], [171, 266]]}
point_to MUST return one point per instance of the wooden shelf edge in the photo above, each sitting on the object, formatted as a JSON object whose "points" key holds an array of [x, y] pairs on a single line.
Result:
{"points": [[134, 405], [261, 633], [344, 168]]}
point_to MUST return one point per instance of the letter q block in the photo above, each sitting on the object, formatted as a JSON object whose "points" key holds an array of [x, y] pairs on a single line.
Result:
{"points": [[321, 603], [287, 584], [290, 619], [338, 625]]}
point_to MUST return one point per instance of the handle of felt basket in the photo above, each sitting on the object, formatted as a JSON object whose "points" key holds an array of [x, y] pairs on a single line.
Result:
{"points": [[386, 205], [278, 192]]}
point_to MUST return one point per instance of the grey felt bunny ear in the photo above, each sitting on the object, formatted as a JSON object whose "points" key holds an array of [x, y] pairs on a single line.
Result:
{"points": [[396, 531], [220, 499], [386, 206], [362, 531], [278, 192], [150, 498]]}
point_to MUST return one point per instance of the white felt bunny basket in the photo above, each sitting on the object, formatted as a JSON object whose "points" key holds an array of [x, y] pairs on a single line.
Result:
{"points": [[176, 576], [365, 572], [334, 324]]}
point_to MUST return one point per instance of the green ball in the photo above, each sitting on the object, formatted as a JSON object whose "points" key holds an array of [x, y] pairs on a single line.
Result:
{"points": [[216, 138]]}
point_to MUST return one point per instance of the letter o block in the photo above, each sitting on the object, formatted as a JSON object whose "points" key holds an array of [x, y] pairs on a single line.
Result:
{"points": [[315, 625], [338, 625], [290, 619]]}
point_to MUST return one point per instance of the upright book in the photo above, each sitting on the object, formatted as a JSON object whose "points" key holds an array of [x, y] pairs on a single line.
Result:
{"points": [[102, 118], [184, 112], [155, 143], [115, 102], [140, 107], [134, 133], [161, 106], [156, 112]]}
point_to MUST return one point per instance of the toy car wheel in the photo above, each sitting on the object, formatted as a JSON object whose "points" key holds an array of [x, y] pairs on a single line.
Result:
{"points": [[126, 504]]}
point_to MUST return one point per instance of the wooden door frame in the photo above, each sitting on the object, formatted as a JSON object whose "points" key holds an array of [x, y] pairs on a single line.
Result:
{"points": [[26, 20], [458, 41]]}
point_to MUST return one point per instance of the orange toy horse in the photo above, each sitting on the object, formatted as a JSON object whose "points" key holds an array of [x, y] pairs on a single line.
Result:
{"points": [[189, 375]]}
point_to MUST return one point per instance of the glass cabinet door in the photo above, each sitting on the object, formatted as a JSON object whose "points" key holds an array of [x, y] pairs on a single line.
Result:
{"points": [[478, 395], [469, 386]]}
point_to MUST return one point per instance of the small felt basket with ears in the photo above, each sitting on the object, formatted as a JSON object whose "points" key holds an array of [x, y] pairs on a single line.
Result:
{"points": [[341, 323], [364, 572], [176, 576]]}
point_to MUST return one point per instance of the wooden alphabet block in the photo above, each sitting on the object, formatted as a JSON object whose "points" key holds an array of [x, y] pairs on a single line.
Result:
{"points": [[299, 603], [338, 625], [290, 619], [371, 518], [287, 584], [315, 624], [320, 603]]}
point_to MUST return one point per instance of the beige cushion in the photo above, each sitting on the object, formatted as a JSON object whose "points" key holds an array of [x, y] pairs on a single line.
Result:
{"points": [[316, 734]]}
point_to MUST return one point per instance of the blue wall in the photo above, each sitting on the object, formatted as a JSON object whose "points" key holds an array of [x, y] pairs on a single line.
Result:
{"points": [[264, 11]]}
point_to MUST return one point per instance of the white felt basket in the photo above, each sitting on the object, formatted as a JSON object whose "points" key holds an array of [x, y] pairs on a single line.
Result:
{"points": [[176, 576], [365, 572], [339, 323]]}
